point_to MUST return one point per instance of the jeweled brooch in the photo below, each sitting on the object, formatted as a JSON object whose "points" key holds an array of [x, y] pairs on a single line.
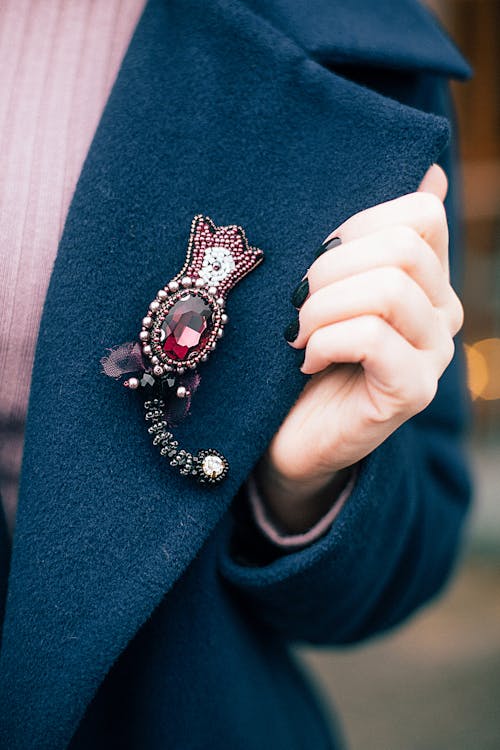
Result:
{"points": [[181, 328]]}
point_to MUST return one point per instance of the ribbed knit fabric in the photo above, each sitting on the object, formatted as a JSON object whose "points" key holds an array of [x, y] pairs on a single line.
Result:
{"points": [[58, 62]]}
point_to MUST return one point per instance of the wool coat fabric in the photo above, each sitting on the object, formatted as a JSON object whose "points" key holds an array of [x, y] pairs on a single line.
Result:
{"points": [[142, 610]]}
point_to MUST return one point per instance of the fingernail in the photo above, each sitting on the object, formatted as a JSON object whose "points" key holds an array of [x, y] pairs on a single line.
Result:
{"points": [[334, 242], [300, 293], [292, 331]]}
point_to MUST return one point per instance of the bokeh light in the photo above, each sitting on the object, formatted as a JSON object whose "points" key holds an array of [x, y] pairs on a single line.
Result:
{"points": [[483, 368]]}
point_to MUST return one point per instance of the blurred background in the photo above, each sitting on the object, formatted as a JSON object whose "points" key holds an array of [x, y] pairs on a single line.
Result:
{"points": [[435, 684]]}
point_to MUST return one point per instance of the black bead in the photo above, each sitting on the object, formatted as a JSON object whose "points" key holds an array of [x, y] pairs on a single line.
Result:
{"points": [[334, 242], [299, 294], [292, 330]]}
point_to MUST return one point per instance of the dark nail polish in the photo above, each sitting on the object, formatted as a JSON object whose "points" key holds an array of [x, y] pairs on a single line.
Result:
{"points": [[292, 331], [300, 293], [334, 242]]}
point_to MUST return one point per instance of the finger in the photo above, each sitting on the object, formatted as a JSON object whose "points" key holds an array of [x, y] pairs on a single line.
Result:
{"points": [[386, 292], [435, 181], [392, 365], [422, 211], [398, 246]]}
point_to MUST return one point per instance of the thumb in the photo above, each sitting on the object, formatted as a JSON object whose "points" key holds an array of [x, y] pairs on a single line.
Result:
{"points": [[435, 181]]}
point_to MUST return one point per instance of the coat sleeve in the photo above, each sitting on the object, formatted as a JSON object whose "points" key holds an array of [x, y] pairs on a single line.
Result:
{"points": [[396, 539], [269, 527]]}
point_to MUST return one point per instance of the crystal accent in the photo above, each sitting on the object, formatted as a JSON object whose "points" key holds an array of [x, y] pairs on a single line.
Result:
{"points": [[147, 380], [186, 327], [212, 466]]}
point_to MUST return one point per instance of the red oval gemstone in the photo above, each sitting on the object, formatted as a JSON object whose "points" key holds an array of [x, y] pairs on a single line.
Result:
{"points": [[187, 326]]}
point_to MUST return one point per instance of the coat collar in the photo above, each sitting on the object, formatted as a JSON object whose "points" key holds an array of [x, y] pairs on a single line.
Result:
{"points": [[402, 34], [219, 113]]}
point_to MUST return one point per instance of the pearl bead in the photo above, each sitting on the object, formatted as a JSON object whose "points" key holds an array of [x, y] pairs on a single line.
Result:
{"points": [[173, 286], [133, 383], [181, 392]]}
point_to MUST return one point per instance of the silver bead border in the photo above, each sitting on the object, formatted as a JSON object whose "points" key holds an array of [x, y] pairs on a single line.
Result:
{"points": [[151, 325]]}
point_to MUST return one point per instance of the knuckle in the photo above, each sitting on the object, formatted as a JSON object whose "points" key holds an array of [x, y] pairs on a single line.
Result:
{"points": [[431, 208], [374, 331], [458, 314], [415, 255], [396, 283], [427, 391], [406, 239], [422, 394], [448, 351]]}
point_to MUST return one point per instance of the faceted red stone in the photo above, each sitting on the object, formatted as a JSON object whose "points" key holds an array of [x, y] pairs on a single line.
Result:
{"points": [[187, 326]]}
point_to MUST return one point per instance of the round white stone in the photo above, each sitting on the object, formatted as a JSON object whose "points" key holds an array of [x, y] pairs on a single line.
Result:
{"points": [[212, 466]]}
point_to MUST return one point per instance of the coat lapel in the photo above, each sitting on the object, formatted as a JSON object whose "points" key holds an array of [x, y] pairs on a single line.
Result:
{"points": [[385, 33], [217, 113]]}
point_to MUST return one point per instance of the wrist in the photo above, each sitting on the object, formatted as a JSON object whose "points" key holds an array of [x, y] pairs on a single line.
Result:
{"points": [[296, 505]]}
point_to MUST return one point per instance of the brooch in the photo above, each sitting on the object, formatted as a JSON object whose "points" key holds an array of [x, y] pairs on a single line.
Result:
{"points": [[180, 329]]}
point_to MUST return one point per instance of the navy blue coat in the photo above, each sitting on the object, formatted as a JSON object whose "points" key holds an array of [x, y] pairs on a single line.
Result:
{"points": [[142, 610]]}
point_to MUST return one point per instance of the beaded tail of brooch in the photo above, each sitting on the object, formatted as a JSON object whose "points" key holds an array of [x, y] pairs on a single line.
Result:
{"points": [[179, 331]]}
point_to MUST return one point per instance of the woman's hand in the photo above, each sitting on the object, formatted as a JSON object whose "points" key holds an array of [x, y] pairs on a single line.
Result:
{"points": [[377, 328]]}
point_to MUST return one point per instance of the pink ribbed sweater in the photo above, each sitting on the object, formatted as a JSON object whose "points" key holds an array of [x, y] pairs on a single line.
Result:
{"points": [[58, 62]]}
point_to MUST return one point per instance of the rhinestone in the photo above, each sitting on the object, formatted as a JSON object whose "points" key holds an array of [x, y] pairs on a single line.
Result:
{"points": [[212, 466], [187, 326]]}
